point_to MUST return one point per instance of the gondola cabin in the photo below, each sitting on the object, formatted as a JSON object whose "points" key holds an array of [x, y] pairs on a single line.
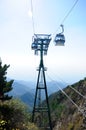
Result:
{"points": [[59, 39]]}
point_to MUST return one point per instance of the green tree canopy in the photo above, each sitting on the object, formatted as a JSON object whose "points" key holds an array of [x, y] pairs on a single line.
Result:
{"points": [[5, 86]]}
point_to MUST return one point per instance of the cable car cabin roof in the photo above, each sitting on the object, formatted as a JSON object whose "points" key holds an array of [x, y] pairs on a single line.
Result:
{"points": [[59, 39]]}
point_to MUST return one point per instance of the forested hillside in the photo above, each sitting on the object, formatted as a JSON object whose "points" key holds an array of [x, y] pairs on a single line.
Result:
{"points": [[68, 107]]}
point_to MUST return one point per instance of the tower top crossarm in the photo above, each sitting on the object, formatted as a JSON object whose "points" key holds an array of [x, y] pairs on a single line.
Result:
{"points": [[43, 36], [40, 42]]}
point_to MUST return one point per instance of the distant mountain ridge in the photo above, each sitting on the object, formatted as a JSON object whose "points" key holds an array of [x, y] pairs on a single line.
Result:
{"points": [[25, 90], [20, 88]]}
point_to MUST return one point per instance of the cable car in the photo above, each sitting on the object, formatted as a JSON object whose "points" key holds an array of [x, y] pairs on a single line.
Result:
{"points": [[60, 38]]}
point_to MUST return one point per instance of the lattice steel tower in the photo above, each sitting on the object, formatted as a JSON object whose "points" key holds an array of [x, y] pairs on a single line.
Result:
{"points": [[40, 110], [40, 45]]}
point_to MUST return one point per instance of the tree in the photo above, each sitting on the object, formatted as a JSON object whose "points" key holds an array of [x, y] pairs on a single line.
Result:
{"points": [[15, 115], [5, 86]]}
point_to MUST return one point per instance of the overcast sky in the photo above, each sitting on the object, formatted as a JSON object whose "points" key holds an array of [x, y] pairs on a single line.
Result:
{"points": [[16, 31]]}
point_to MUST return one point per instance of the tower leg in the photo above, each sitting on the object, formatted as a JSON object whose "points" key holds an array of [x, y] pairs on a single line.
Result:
{"points": [[50, 124], [40, 110], [35, 100]]}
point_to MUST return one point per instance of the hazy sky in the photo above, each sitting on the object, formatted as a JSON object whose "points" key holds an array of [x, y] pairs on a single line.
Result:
{"points": [[68, 62]]}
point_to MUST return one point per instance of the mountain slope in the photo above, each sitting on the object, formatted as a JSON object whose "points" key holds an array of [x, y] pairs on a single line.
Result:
{"points": [[65, 115], [26, 90], [20, 88], [23, 91], [28, 98]]}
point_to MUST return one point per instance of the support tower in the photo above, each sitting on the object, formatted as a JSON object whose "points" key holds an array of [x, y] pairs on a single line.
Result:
{"points": [[41, 111]]}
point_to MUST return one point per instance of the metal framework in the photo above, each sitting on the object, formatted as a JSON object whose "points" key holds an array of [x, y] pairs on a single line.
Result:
{"points": [[40, 46]]}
